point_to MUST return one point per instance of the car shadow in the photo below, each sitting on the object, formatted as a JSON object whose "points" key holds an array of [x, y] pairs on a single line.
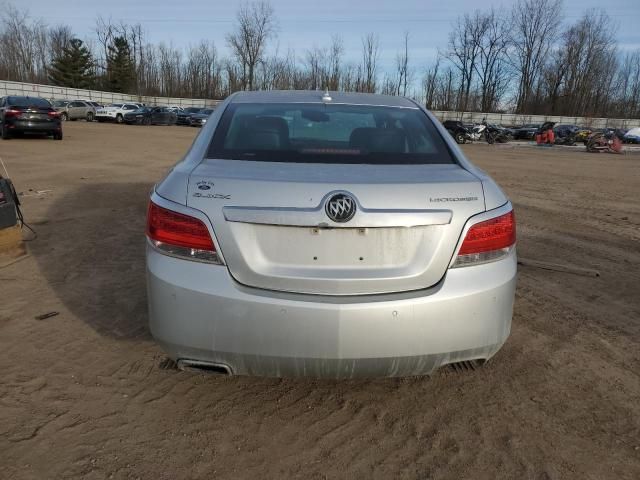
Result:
{"points": [[90, 249]]}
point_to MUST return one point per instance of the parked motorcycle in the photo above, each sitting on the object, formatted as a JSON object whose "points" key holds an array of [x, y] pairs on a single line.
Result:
{"points": [[492, 133], [477, 132], [567, 140], [609, 142]]}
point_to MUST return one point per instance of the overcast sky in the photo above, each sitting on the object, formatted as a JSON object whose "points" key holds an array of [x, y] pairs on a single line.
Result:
{"points": [[301, 24]]}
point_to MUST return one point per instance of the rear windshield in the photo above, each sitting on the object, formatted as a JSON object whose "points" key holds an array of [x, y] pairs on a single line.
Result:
{"points": [[29, 102], [335, 133]]}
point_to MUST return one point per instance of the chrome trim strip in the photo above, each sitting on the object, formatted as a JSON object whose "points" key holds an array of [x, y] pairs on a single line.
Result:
{"points": [[316, 217]]}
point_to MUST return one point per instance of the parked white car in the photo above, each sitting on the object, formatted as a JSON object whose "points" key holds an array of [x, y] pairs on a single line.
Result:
{"points": [[115, 112]]}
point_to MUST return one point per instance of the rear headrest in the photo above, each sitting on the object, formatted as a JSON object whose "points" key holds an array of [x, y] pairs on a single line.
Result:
{"points": [[385, 140], [265, 133]]}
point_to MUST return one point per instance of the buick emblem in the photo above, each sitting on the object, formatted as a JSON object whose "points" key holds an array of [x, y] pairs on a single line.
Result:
{"points": [[341, 207]]}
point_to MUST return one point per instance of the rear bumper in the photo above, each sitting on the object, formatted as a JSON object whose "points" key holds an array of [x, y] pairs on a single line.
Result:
{"points": [[106, 116], [198, 312], [26, 126]]}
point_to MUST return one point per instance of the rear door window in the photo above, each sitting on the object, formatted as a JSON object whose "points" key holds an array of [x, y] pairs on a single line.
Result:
{"points": [[322, 133]]}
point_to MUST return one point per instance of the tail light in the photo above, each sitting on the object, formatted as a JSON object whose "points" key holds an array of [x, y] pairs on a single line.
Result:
{"points": [[487, 241], [53, 113], [12, 112], [180, 235]]}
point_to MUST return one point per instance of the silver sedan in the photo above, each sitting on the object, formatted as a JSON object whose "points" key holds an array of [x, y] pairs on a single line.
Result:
{"points": [[334, 235]]}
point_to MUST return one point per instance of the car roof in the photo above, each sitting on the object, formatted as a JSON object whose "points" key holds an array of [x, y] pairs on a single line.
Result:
{"points": [[315, 96], [24, 96]]}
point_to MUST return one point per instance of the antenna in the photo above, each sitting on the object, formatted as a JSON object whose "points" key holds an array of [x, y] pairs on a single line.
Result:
{"points": [[326, 97]]}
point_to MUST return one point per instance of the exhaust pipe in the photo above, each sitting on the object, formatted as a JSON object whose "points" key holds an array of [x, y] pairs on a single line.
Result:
{"points": [[204, 367]]}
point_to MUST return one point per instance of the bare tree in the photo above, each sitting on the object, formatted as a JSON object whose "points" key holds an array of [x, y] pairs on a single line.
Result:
{"points": [[628, 86], [255, 25], [463, 52], [491, 67], [429, 83], [105, 33], [369, 66], [439, 90], [336, 51], [24, 45], [318, 71], [349, 81], [403, 75], [535, 25]]}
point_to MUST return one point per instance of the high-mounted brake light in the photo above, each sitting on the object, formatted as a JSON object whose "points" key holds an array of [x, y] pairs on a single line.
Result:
{"points": [[180, 235], [487, 241]]}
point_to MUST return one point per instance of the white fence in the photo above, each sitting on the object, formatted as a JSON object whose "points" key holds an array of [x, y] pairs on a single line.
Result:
{"points": [[62, 93], [511, 119]]}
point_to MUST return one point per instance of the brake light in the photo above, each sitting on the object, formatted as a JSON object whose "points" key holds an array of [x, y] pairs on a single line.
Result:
{"points": [[12, 112], [53, 113], [180, 235], [487, 241]]}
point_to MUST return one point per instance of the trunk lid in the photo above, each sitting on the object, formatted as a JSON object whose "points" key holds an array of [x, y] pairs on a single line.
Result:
{"points": [[34, 114], [274, 233]]}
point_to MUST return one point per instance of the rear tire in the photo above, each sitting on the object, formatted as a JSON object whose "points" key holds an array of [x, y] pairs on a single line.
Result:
{"points": [[146, 121], [5, 134], [64, 116], [119, 118], [90, 117], [57, 135], [460, 138]]}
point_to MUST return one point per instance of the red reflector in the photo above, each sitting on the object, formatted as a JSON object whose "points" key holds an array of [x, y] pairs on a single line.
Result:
{"points": [[494, 234], [177, 229]]}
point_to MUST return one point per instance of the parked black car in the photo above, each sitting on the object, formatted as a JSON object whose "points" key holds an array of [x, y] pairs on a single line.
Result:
{"points": [[184, 116], [508, 132], [200, 118], [564, 130], [150, 116], [526, 132], [28, 115], [458, 131]]}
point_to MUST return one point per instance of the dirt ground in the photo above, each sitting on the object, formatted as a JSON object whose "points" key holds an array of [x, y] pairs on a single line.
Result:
{"points": [[87, 394]]}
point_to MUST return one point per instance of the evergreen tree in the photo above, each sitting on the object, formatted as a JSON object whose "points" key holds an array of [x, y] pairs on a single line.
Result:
{"points": [[73, 67], [120, 66]]}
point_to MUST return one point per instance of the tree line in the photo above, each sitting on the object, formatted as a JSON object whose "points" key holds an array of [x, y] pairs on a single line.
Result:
{"points": [[525, 60]]}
